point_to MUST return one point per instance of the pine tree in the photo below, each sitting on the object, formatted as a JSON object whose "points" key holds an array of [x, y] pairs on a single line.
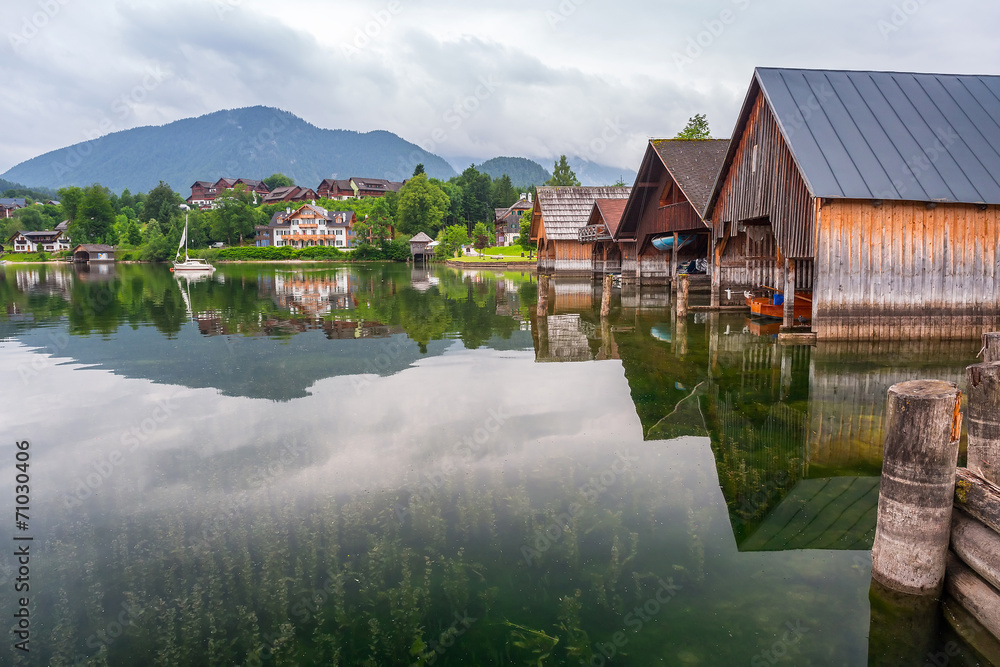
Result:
{"points": [[562, 174]]}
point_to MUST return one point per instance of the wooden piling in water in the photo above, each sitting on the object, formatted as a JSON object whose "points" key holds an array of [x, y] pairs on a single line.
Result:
{"points": [[983, 420], [991, 347], [788, 314], [923, 423], [606, 296], [543, 296], [683, 292]]}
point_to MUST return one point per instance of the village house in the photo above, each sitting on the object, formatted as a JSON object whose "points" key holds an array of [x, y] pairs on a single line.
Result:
{"points": [[332, 188], [873, 194], [661, 230], [10, 204], [507, 221], [557, 216], [291, 193], [204, 193], [308, 226], [374, 187], [42, 241]]}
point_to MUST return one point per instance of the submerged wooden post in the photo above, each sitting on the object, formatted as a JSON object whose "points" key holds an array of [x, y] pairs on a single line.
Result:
{"points": [[788, 319], [902, 628], [683, 291], [983, 415], [543, 296], [923, 423], [606, 296], [991, 346]]}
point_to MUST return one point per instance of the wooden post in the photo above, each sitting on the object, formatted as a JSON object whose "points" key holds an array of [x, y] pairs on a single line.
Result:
{"points": [[713, 268], [991, 346], [673, 262], [923, 424], [543, 296], [683, 291], [789, 312], [606, 297], [983, 415]]}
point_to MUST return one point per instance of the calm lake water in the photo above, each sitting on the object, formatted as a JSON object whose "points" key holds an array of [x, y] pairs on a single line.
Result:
{"points": [[379, 465]]}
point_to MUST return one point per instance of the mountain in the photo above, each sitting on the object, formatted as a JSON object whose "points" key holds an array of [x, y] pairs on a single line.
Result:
{"points": [[252, 142], [522, 171], [591, 173]]}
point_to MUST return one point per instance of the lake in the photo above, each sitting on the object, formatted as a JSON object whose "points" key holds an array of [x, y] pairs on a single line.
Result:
{"points": [[386, 465]]}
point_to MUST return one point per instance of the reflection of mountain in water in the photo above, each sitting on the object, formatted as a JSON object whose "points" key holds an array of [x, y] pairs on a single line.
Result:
{"points": [[796, 430], [260, 332]]}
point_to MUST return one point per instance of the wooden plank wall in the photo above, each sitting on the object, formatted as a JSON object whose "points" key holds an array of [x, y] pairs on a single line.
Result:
{"points": [[901, 270], [767, 185], [573, 257]]}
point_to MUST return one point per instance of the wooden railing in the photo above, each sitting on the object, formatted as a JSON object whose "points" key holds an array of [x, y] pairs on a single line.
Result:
{"points": [[594, 233]]}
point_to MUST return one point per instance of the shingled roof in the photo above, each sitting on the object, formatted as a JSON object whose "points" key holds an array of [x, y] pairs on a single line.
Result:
{"points": [[610, 211], [885, 135], [693, 164], [564, 210]]}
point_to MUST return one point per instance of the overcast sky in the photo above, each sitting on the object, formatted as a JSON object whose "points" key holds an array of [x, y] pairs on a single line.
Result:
{"points": [[465, 80]]}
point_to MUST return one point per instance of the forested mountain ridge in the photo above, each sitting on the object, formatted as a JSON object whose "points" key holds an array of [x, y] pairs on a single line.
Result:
{"points": [[522, 171], [252, 142]]}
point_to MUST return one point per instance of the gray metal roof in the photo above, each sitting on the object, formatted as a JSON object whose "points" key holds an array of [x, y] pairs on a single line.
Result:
{"points": [[890, 135]]}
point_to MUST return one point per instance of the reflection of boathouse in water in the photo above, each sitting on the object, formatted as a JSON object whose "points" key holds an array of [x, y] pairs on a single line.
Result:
{"points": [[796, 431]]}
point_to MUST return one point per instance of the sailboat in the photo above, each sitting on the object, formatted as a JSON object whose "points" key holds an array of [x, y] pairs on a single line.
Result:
{"points": [[189, 264]]}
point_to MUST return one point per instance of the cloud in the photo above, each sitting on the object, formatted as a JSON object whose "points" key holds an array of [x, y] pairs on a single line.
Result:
{"points": [[529, 78]]}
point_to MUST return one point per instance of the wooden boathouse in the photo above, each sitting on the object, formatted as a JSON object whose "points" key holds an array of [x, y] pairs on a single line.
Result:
{"points": [[556, 219], [599, 233], [876, 192], [662, 227]]}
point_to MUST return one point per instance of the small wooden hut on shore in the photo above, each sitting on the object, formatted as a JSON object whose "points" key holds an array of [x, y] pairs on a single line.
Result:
{"points": [[556, 219], [876, 192], [89, 253], [662, 226]]}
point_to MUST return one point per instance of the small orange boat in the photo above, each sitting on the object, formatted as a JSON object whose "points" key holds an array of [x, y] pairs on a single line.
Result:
{"points": [[773, 304]]}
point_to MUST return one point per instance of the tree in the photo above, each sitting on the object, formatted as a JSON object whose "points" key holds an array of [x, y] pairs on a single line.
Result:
{"points": [[503, 193], [69, 199], [562, 175], [163, 204], [278, 181], [376, 227], [95, 217], [476, 190], [696, 128], [235, 215], [422, 206], [524, 240], [482, 237], [419, 169], [450, 240]]}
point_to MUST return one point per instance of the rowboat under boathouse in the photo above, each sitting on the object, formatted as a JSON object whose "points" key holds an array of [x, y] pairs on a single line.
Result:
{"points": [[876, 193]]}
